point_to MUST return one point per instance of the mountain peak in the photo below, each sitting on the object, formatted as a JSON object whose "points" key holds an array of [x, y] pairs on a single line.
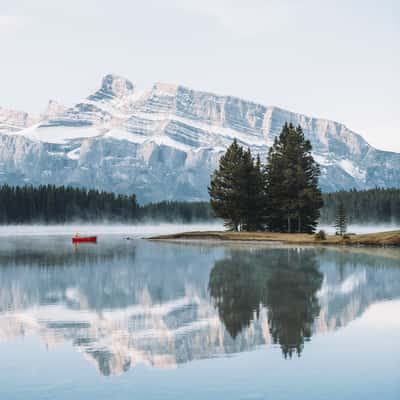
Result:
{"points": [[53, 108], [167, 88], [113, 86], [13, 120]]}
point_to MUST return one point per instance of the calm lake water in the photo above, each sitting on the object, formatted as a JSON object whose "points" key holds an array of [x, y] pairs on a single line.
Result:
{"points": [[133, 319]]}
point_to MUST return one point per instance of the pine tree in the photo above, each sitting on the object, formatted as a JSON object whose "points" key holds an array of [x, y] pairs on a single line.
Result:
{"points": [[252, 193], [224, 190], [237, 190], [341, 220], [259, 195], [293, 196]]}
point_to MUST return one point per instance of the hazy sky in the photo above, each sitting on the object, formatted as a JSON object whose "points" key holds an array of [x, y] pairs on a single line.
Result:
{"points": [[336, 59]]}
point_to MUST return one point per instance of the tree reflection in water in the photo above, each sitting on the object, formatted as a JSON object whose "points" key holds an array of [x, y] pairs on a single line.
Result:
{"points": [[285, 281]]}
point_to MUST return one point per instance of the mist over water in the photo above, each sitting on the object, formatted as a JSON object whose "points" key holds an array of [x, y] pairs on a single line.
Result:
{"points": [[361, 229], [134, 231], [151, 229]]}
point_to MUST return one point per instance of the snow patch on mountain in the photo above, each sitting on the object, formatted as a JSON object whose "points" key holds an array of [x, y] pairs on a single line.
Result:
{"points": [[57, 134], [352, 169]]}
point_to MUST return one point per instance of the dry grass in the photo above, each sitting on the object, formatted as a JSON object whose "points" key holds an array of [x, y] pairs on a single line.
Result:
{"points": [[391, 238]]}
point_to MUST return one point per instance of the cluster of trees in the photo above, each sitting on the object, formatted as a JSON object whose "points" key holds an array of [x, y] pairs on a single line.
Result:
{"points": [[61, 204], [281, 196], [363, 206]]}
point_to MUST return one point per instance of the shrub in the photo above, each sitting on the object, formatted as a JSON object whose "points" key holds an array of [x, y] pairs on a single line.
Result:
{"points": [[320, 235]]}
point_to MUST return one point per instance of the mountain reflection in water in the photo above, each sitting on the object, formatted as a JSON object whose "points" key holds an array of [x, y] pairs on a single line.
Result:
{"points": [[122, 303]]}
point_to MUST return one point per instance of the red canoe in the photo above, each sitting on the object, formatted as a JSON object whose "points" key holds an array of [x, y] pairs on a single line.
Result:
{"points": [[84, 239]]}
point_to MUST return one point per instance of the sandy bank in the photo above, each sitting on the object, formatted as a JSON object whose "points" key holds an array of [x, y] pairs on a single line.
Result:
{"points": [[390, 238]]}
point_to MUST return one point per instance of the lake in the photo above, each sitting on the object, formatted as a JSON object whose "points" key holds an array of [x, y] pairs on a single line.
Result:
{"points": [[128, 319]]}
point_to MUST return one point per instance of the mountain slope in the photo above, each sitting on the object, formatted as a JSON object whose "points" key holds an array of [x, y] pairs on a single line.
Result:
{"points": [[163, 143]]}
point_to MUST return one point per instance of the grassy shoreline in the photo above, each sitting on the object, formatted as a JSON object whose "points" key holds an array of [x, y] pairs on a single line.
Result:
{"points": [[390, 238]]}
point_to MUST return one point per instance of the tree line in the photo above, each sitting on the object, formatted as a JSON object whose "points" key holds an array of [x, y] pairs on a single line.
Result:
{"points": [[62, 204], [51, 204], [280, 196], [369, 206]]}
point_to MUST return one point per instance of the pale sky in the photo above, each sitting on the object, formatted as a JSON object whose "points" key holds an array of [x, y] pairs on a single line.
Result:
{"points": [[335, 59]]}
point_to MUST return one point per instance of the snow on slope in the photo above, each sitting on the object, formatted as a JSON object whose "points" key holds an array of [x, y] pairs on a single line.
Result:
{"points": [[57, 134], [163, 143], [12, 121]]}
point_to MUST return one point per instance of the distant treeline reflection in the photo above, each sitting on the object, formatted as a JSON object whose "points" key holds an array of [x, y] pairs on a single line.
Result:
{"points": [[285, 282], [62, 204]]}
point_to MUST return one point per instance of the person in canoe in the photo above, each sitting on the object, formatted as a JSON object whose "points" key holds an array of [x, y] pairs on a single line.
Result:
{"points": [[79, 239]]}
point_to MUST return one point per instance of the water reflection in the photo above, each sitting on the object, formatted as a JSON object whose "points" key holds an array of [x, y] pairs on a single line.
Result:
{"points": [[291, 299], [285, 281], [123, 303]]}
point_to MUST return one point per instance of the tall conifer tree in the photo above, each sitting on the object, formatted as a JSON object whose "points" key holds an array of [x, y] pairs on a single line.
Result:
{"points": [[237, 191], [293, 196], [253, 195], [225, 186]]}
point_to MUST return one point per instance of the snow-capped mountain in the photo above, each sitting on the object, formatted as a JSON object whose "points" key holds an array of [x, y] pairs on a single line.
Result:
{"points": [[163, 143]]}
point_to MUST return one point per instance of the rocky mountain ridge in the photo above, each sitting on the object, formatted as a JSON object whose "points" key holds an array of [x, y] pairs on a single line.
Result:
{"points": [[164, 142]]}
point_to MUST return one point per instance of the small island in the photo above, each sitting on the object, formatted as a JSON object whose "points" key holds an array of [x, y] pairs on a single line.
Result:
{"points": [[276, 202], [391, 238]]}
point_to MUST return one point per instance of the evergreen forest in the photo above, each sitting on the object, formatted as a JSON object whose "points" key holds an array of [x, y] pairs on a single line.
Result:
{"points": [[27, 204], [55, 205], [371, 206]]}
